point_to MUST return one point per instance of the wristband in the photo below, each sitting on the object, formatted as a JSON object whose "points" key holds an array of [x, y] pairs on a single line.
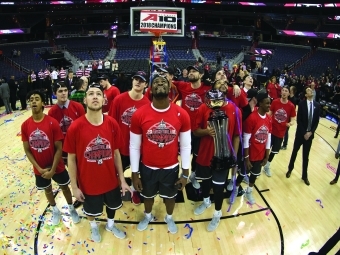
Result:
{"points": [[184, 176], [246, 156]]}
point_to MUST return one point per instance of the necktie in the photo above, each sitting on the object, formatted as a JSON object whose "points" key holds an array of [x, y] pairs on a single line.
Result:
{"points": [[310, 117]]}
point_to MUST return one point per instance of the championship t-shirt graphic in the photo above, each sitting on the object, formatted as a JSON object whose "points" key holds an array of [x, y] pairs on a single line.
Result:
{"points": [[65, 123], [161, 134], [280, 115], [97, 150], [261, 134], [38, 140], [193, 101], [127, 114], [106, 101]]}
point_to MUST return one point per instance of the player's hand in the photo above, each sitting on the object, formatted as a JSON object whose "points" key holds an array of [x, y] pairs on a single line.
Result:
{"points": [[248, 164], [48, 174], [43, 170], [236, 91], [264, 161], [125, 187], [181, 182], [137, 183], [78, 194], [210, 131]]}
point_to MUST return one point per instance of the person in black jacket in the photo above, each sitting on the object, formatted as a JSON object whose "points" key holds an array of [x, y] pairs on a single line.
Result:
{"points": [[307, 121], [22, 93], [13, 87]]}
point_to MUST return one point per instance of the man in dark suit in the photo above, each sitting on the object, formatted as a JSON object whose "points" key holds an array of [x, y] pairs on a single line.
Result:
{"points": [[307, 121], [70, 81], [13, 88]]}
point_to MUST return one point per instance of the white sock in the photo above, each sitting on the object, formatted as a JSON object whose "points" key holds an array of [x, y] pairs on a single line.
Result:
{"points": [[206, 200], [148, 215], [93, 224], [168, 217], [70, 207], [218, 213], [110, 222], [249, 189], [132, 188], [55, 208]]}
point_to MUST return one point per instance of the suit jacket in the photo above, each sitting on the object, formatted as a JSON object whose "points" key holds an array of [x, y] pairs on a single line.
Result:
{"points": [[302, 118], [12, 86], [4, 90], [70, 85]]}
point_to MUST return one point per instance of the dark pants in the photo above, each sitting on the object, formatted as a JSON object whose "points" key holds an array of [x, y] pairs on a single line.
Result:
{"points": [[330, 244], [285, 139], [23, 102], [337, 172], [306, 145], [337, 129], [13, 100], [7, 104]]}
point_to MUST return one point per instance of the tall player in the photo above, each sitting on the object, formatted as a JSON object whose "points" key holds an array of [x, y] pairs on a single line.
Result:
{"points": [[283, 116], [155, 130], [92, 143], [42, 141], [209, 175], [256, 139], [122, 109], [110, 92]]}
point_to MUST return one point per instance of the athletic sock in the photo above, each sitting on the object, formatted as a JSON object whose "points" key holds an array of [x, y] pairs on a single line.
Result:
{"points": [[110, 223]]}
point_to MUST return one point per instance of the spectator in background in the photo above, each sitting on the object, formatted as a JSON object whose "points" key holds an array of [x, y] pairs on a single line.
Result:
{"points": [[54, 76], [184, 76], [316, 94], [107, 65], [80, 93], [18, 53], [123, 83], [219, 59], [114, 65], [13, 88], [273, 89], [5, 95], [22, 93]]}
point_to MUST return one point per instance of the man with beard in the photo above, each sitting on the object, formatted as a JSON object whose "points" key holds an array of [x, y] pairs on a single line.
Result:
{"points": [[93, 142], [256, 139], [122, 109], [283, 116], [42, 141], [213, 176], [110, 92], [155, 130]]}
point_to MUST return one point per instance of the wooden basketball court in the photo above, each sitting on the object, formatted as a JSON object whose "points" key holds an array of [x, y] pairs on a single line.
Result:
{"points": [[288, 217]]}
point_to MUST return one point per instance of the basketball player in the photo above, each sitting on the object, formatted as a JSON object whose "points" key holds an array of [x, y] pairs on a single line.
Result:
{"points": [[42, 141], [110, 92], [122, 109], [256, 139], [283, 116], [94, 162], [210, 176], [65, 112], [155, 130]]}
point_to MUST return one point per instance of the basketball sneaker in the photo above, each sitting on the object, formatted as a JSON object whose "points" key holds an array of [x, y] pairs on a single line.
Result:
{"points": [[233, 196], [135, 198], [56, 216], [193, 180], [171, 225], [95, 236], [249, 197], [144, 223], [201, 208], [75, 216], [230, 186], [266, 169], [215, 221], [116, 231]]}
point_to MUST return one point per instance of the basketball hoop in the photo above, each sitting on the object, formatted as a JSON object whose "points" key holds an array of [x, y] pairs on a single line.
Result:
{"points": [[157, 32]]}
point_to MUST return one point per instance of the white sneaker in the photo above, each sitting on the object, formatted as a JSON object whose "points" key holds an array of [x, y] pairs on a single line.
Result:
{"points": [[193, 180], [230, 186], [266, 169], [201, 208]]}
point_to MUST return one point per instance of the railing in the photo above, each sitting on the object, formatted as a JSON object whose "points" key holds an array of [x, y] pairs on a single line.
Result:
{"points": [[16, 65], [300, 61]]}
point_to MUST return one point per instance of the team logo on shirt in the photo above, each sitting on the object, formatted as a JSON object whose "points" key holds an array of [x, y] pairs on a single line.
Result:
{"points": [[38, 140], [161, 134], [106, 101], [261, 134], [193, 101], [97, 150], [127, 115], [280, 115], [65, 123]]}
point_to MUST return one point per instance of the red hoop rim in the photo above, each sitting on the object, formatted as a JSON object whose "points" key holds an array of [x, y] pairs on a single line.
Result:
{"points": [[157, 33]]}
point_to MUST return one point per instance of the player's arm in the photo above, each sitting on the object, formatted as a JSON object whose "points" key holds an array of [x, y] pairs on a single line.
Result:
{"points": [[246, 138], [119, 168], [236, 143], [292, 122], [135, 144], [32, 159], [58, 146], [72, 171]]}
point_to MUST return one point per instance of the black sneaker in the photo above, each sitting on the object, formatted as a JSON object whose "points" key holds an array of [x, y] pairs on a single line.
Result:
{"points": [[77, 204]]}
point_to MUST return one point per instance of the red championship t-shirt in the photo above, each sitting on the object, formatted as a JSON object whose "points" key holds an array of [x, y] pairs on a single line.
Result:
{"points": [[41, 137], [109, 95], [281, 114], [122, 109], [274, 90], [206, 149], [259, 128], [160, 132], [240, 101], [191, 98], [65, 116], [94, 148]]}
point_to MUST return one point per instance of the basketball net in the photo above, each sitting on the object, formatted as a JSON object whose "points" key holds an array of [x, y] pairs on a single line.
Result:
{"points": [[159, 45]]}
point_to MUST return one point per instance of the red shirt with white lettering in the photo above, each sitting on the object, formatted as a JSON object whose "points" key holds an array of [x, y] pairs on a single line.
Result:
{"points": [[41, 137], [160, 133], [191, 98], [94, 148], [281, 114], [240, 101], [122, 109], [109, 95], [274, 90], [206, 149], [259, 128], [65, 116]]}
